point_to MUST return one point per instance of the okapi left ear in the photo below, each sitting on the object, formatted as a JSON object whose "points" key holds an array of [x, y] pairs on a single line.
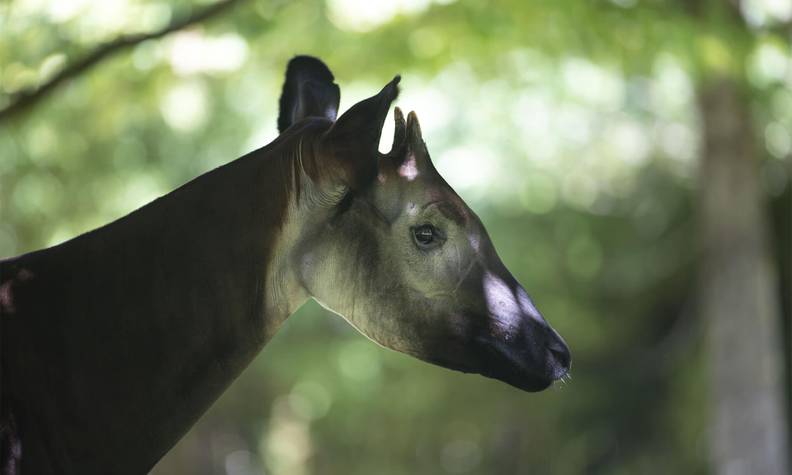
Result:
{"points": [[308, 91], [354, 139]]}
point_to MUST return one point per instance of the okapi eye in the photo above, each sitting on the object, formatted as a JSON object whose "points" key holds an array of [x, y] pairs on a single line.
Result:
{"points": [[426, 235]]}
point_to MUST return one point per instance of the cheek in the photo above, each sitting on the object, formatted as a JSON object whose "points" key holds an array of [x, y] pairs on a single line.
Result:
{"points": [[454, 265], [338, 270], [440, 273]]}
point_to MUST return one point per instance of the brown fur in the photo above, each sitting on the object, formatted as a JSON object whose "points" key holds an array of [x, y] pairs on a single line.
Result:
{"points": [[115, 342]]}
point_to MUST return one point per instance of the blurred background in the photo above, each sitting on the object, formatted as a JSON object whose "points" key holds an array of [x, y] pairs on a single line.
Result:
{"points": [[630, 159]]}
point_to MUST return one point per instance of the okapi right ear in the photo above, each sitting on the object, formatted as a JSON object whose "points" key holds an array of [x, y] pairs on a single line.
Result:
{"points": [[309, 91], [354, 138]]}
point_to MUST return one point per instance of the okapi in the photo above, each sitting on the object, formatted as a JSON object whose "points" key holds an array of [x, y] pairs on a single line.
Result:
{"points": [[115, 342]]}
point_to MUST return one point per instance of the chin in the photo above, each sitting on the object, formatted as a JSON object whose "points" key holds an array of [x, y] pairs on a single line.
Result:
{"points": [[528, 383]]}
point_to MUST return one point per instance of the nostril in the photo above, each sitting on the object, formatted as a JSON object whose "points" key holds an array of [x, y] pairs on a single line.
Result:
{"points": [[560, 352]]}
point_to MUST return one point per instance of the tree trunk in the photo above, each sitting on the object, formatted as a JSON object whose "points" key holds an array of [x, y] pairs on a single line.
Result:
{"points": [[738, 293]]}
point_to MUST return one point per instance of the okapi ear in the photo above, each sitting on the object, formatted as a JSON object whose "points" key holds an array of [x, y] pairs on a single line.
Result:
{"points": [[309, 91], [354, 138]]}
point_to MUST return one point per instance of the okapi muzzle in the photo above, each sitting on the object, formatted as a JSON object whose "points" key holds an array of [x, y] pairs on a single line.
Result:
{"points": [[114, 343]]}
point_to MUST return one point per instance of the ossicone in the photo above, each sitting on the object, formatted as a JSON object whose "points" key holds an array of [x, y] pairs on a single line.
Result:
{"points": [[408, 142], [414, 137], [399, 135]]}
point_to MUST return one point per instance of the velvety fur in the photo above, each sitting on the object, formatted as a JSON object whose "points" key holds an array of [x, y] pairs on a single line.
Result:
{"points": [[308, 91], [115, 342]]}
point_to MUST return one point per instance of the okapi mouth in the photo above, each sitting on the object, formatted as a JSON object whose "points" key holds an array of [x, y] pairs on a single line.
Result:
{"points": [[527, 381], [495, 361], [502, 365]]}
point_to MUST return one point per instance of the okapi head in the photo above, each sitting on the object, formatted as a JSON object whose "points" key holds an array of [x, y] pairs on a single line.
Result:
{"points": [[385, 242]]}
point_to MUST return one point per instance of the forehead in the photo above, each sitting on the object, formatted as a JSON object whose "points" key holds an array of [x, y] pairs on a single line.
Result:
{"points": [[455, 210], [446, 204], [415, 188]]}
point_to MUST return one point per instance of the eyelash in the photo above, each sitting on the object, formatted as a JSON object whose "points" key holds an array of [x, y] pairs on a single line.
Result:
{"points": [[427, 236]]}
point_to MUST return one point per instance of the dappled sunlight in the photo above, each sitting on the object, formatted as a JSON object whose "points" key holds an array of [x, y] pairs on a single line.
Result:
{"points": [[769, 63], [192, 52], [61, 11], [185, 107], [670, 91], [594, 125], [574, 130], [579, 189], [762, 12], [778, 140], [359, 362], [36, 192], [468, 167], [241, 462], [130, 192], [539, 192], [679, 143], [50, 66], [532, 114], [287, 442], [627, 142], [433, 105], [310, 400], [16, 76], [366, 15], [598, 86], [91, 20]]}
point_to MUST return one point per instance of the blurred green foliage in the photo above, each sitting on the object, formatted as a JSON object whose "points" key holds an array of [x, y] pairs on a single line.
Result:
{"points": [[569, 126]]}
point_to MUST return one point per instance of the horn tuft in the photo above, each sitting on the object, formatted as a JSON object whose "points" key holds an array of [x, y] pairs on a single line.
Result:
{"points": [[414, 136], [399, 132]]}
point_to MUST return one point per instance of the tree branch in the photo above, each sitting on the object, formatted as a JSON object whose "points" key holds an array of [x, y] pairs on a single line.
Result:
{"points": [[23, 100]]}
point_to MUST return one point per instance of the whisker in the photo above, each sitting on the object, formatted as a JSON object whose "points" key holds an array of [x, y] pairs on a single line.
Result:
{"points": [[562, 382]]}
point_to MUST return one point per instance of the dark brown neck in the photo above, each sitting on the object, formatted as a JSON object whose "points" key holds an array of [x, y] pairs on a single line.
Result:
{"points": [[117, 341]]}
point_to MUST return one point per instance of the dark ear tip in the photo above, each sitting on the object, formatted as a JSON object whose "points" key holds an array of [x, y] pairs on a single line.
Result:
{"points": [[413, 126], [308, 90], [310, 64], [391, 90]]}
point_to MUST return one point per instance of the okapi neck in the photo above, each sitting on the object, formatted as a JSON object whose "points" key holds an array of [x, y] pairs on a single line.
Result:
{"points": [[145, 321]]}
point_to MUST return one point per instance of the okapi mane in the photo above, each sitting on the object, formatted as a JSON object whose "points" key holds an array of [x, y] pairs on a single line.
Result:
{"points": [[299, 155]]}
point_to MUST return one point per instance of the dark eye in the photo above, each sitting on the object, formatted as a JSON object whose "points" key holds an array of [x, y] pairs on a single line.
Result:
{"points": [[426, 235]]}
